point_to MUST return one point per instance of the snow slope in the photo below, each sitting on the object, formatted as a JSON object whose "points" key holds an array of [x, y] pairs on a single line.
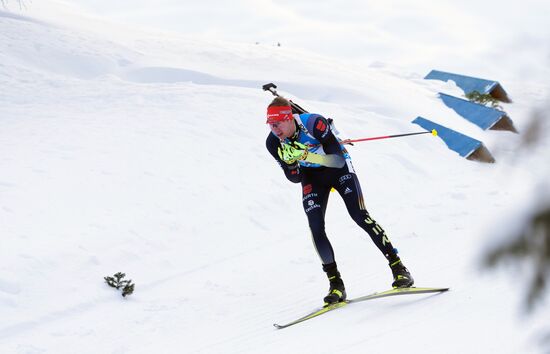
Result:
{"points": [[143, 152]]}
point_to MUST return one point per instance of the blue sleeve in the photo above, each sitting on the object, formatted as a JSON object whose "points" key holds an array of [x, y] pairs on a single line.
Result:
{"points": [[321, 131]]}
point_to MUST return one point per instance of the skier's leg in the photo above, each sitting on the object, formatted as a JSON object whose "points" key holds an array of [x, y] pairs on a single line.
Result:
{"points": [[315, 200], [349, 188]]}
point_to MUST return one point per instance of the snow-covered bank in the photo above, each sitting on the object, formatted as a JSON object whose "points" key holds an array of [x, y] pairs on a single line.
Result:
{"points": [[144, 153]]}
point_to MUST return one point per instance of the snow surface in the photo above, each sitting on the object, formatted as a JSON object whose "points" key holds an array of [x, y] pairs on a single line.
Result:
{"points": [[141, 151]]}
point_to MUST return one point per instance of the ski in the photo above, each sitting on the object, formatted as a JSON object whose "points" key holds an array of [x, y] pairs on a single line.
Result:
{"points": [[313, 314], [377, 295], [398, 291]]}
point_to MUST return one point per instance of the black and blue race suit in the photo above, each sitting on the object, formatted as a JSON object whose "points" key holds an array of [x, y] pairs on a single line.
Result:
{"points": [[317, 181]]}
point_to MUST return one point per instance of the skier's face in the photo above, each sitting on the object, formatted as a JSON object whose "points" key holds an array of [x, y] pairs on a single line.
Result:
{"points": [[283, 129]]}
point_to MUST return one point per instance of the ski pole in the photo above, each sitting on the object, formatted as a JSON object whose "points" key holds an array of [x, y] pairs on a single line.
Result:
{"points": [[351, 141]]}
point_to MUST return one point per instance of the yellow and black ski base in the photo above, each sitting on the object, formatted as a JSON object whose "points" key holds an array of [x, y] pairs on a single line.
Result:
{"points": [[391, 292]]}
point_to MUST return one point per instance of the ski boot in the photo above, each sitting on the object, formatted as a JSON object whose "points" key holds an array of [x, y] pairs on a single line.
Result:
{"points": [[402, 278], [337, 291]]}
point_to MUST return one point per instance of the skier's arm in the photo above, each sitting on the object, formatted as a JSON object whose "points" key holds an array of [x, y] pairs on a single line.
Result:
{"points": [[292, 172], [322, 132]]}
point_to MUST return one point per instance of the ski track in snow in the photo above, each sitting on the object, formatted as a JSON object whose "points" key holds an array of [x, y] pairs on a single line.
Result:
{"points": [[145, 154]]}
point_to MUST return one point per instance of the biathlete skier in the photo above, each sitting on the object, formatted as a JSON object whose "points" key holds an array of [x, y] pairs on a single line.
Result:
{"points": [[292, 137]]}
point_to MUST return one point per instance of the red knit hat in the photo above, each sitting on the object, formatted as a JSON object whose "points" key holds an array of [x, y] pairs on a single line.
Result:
{"points": [[278, 114]]}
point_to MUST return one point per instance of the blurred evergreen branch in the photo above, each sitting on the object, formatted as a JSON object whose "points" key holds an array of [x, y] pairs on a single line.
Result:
{"points": [[532, 245]]}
